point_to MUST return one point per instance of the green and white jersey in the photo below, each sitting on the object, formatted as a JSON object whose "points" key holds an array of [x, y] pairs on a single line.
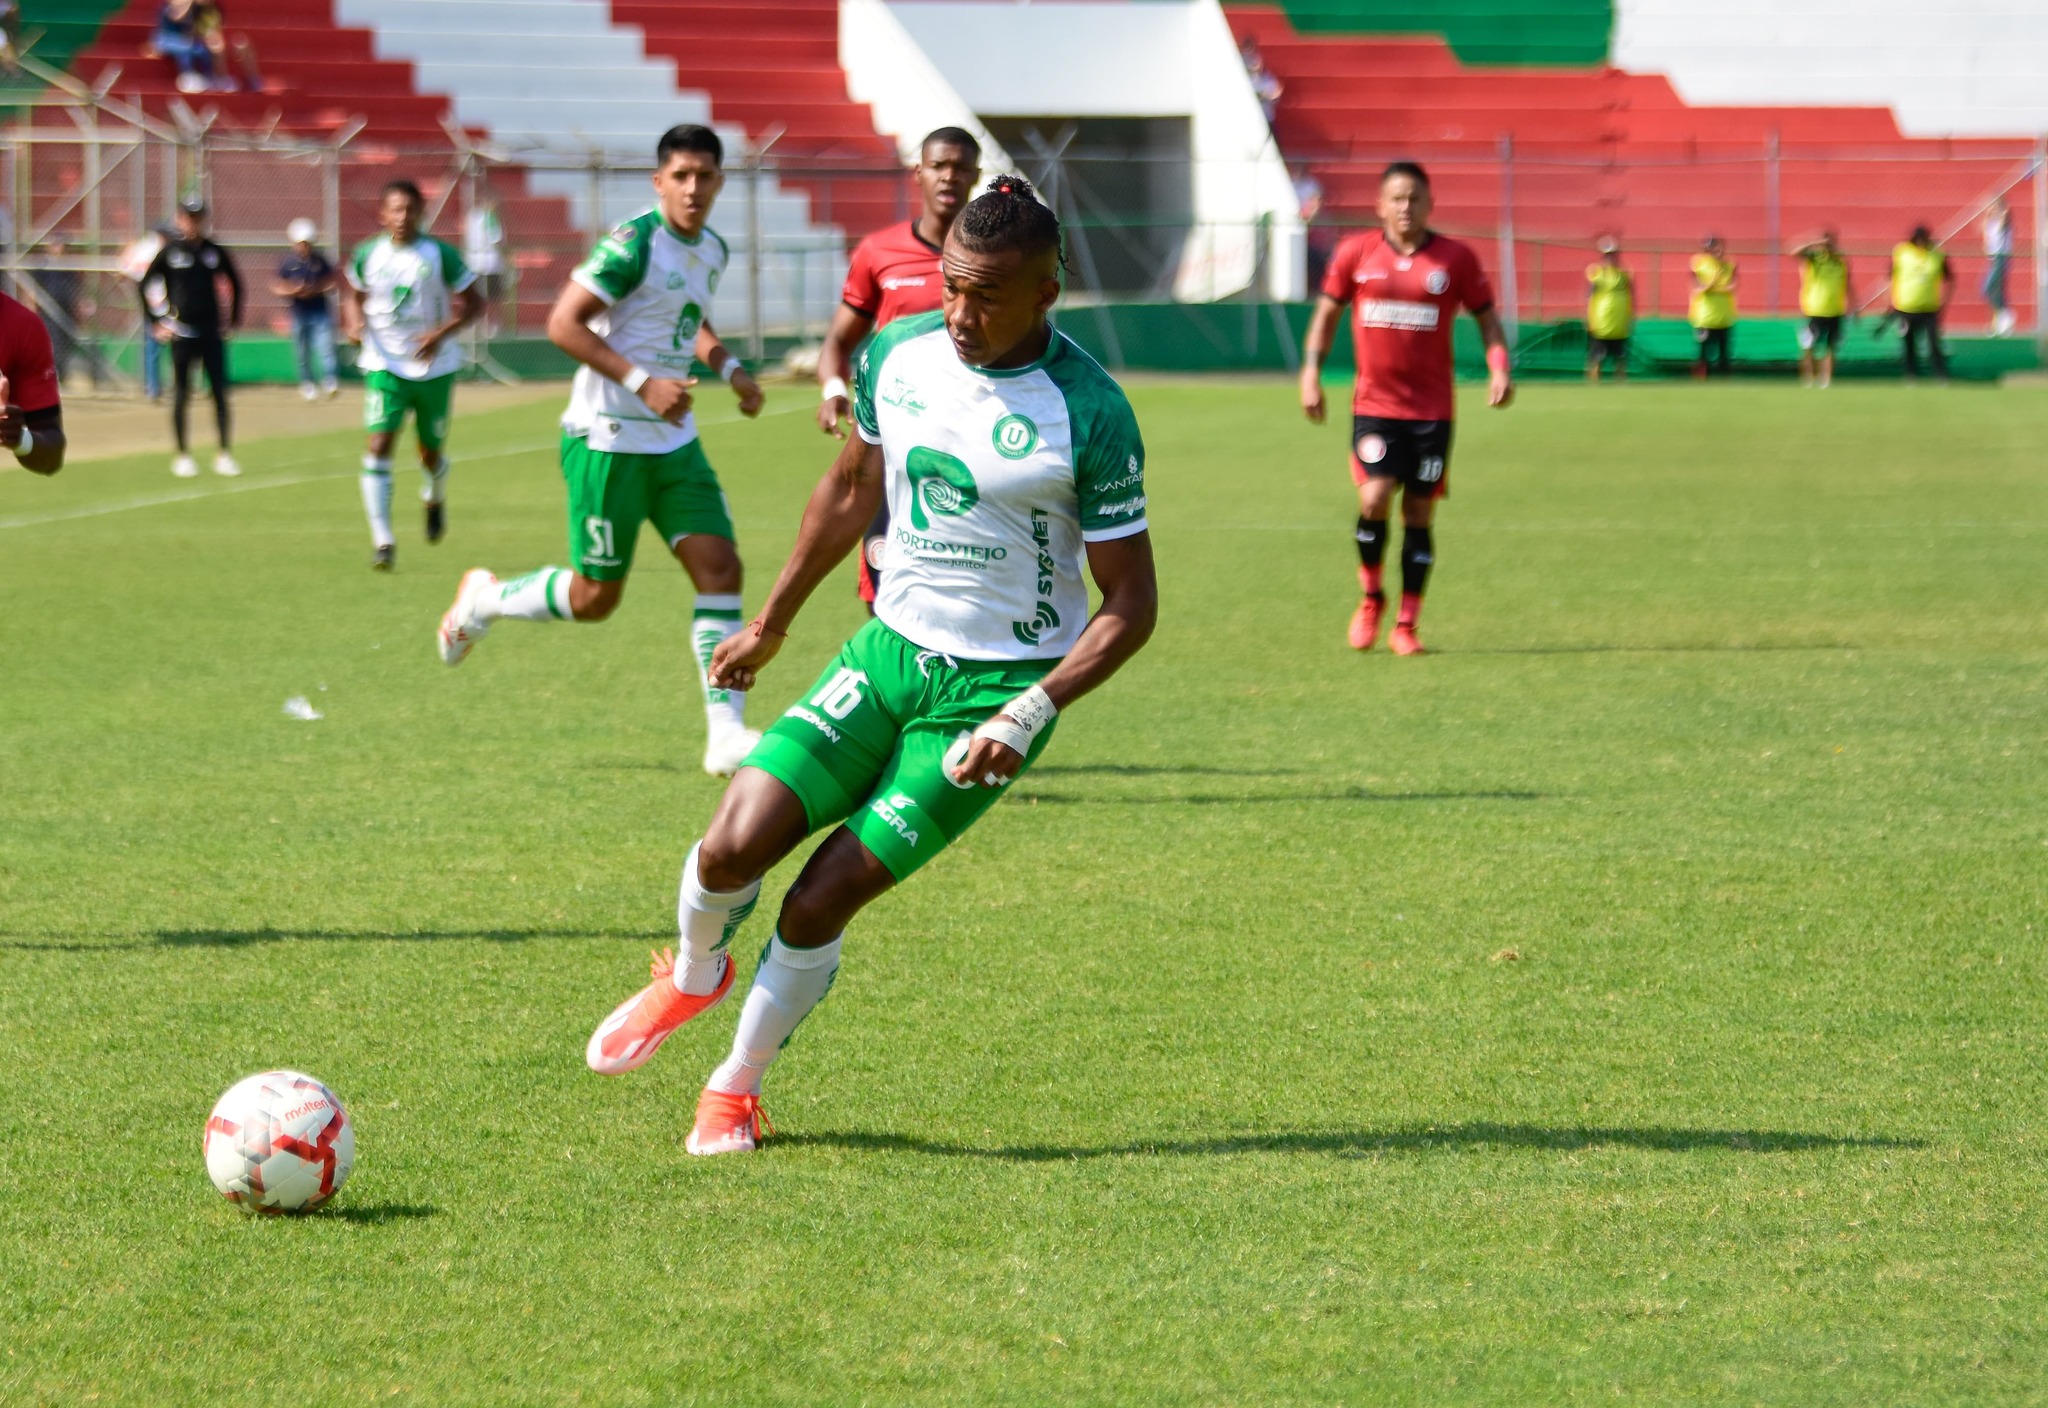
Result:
{"points": [[995, 480], [408, 290], [657, 287]]}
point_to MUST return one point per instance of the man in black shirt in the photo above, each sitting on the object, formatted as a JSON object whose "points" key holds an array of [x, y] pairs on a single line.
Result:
{"points": [[191, 267]]}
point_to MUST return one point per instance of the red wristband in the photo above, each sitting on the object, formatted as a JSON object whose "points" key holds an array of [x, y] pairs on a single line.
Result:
{"points": [[1497, 359]]}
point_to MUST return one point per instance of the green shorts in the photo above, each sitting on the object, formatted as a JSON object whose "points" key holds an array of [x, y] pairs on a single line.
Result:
{"points": [[612, 493], [867, 744], [386, 399]]}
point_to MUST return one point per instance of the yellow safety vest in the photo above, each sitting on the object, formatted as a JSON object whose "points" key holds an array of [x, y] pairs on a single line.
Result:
{"points": [[1916, 278], [1713, 302], [1611, 310], [1823, 285]]}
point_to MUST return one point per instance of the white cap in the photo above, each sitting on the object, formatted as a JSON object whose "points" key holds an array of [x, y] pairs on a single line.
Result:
{"points": [[301, 231]]}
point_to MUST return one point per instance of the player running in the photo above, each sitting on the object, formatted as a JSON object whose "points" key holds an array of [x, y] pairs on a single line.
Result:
{"points": [[1008, 457], [1405, 284], [31, 401], [1824, 299], [408, 295], [894, 273], [635, 314]]}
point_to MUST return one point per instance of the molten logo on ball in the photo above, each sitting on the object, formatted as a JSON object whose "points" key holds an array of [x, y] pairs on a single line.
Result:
{"points": [[279, 1142]]}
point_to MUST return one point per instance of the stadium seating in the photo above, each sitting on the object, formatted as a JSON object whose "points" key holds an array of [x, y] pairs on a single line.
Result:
{"points": [[1598, 151]]}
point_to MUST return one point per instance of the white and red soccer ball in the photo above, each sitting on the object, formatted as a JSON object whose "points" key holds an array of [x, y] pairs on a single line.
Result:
{"points": [[279, 1142]]}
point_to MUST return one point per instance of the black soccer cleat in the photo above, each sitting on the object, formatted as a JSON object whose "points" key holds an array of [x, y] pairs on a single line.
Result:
{"points": [[386, 556], [437, 522]]}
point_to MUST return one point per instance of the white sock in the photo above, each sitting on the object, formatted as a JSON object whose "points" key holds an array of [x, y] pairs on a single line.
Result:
{"points": [[376, 483], [787, 985], [434, 482], [541, 595], [714, 618], [706, 920]]}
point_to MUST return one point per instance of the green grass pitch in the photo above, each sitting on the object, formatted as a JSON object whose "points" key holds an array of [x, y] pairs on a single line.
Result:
{"points": [[1640, 998]]}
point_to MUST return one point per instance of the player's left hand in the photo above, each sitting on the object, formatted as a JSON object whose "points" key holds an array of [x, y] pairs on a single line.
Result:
{"points": [[431, 343], [741, 656], [988, 763], [1500, 393], [749, 391]]}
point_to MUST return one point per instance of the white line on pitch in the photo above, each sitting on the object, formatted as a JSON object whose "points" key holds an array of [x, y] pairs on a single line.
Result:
{"points": [[31, 520]]}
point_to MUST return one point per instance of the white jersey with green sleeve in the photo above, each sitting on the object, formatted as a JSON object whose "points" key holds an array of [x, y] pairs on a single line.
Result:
{"points": [[995, 479], [656, 286], [408, 290]]}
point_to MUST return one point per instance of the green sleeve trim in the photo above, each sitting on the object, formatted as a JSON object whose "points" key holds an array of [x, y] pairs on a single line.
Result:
{"points": [[356, 261], [867, 366], [1109, 452], [618, 264], [454, 273]]}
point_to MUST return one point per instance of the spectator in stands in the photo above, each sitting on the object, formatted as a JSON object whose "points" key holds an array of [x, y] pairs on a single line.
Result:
{"points": [[1266, 85], [1321, 236], [1998, 254], [1920, 284], [1824, 299], [1712, 311], [305, 278], [1610, 313], [189, 34]]}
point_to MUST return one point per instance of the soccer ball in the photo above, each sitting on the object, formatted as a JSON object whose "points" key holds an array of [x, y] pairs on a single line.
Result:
{"points": [[279, 1142]]}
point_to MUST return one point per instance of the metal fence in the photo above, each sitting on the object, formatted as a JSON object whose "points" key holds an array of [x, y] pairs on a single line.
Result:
{"points": [[87, 175]]}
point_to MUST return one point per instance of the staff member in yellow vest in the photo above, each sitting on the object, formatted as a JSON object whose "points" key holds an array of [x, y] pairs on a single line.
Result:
{"points": [[1610, 313], [1824, 299], [1712, 312], [1920, 284]]}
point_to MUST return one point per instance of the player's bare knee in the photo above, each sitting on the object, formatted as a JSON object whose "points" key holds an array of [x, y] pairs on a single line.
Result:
{"points": [[722, 863], [713, 564]]}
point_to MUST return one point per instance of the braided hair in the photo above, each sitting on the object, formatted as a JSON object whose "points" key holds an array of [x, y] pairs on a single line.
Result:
{"points": [[1008, 215]]}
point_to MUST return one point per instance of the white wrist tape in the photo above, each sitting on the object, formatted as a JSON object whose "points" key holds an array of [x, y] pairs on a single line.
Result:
{"points": [[636, 378], [834, 389], [22, 446], [1021, 720], [731, 369]]}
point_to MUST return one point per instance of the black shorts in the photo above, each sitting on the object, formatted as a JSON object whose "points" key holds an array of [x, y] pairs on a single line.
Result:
{"points": [[1614, 349], [1416, 452], [1824, 332]]}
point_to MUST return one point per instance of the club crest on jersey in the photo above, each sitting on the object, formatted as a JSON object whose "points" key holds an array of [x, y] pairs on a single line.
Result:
{"points": [[1437, 281], [940, 484], [1015, 437], [1371, 449]]}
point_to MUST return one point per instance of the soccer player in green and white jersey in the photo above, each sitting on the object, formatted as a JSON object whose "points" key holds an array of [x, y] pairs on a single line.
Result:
{"points": [[408, 295], [1009, 460], [635, 314]]}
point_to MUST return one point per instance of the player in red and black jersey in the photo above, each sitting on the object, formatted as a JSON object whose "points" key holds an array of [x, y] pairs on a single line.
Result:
{"points": [[1404, 286], [31, 415], [894, 273]]}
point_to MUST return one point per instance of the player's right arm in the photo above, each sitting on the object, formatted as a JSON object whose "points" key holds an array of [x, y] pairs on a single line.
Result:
{"points": [[840, 509], [1315, 346], [835, 364], [569, 329]]}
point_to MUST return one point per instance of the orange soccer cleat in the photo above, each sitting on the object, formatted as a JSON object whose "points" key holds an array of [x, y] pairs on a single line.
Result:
{"points": [[638, 1026], [1365, 622], [1403, 640], [727, 1124]]}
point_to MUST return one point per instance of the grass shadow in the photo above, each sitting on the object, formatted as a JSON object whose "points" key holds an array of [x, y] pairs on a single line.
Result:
{"points": [[1152, 770], [1366, 1143], [378, 1214], [1828, 646], [1348, 794]]}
